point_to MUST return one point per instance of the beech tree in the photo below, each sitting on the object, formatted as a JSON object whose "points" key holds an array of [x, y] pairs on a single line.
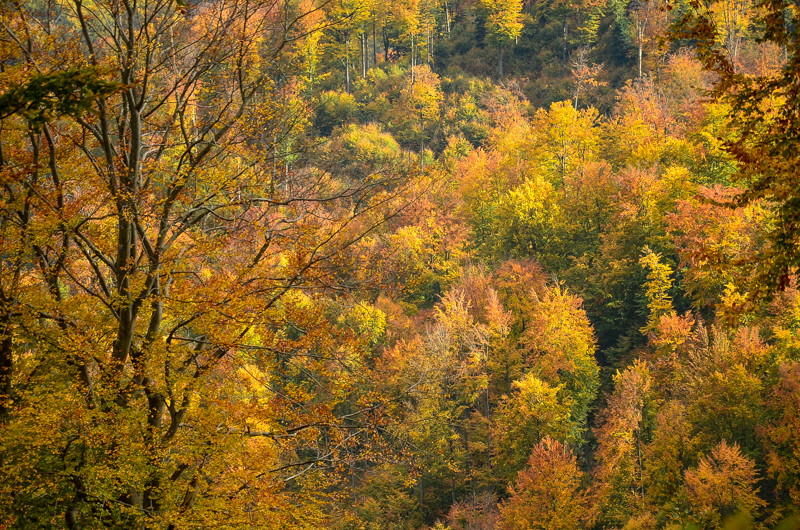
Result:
{"points": [[723, 485], [167, 356], [547, 494], [504, 24], [619, 486], [231, 297]]}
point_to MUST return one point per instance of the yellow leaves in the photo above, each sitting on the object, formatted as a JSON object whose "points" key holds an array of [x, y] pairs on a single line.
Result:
{"points": [[173, 317], [564, 139], [733, 19], [561, 338], [731, 303], [540, 401], [527, 219], [504, 19], [422, 98], [659, 283]]}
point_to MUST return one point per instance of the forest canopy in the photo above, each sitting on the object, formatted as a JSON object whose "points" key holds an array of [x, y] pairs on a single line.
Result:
{"points": [[425, 264]]}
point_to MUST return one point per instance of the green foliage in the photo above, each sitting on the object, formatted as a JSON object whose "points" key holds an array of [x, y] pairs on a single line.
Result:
{"points": [[359, 152], [387, 502], [334, 109], [43, 98]]}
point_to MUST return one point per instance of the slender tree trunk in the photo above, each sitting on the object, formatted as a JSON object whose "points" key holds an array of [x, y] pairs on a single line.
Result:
{"points": [[640, 34], [640, 58], [385, 42], [412, 59], [422, 145], [366, 54], [564, 59], [639, 458], [452, 476], [347, 65], [428, 41], [374, 46], [488, 414], [468, 460], [6, 357], [447, 15], [578, 80], [6, 362]]}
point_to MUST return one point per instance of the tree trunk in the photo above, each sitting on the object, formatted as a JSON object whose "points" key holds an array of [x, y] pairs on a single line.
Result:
{"points": [[6, 363], [488, 411], [374, 46], [412, 59], [362, 40], [422, 144], [640, 34], [428, 41], [385, 43], [367, 58], [347, 65], [639, 459], [640, 58], [452, 476]]}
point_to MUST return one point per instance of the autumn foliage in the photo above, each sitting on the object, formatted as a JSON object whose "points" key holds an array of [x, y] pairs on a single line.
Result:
{"points": [[449, 264]]}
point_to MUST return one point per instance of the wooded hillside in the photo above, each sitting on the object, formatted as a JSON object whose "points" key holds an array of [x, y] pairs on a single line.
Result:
{"points": [[425, 264]]}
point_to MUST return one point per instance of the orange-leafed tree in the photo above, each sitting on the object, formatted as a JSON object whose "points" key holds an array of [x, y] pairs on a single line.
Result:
{"points": [[724, 484], [716, 245], [784, 457], [560, 345], [619, 486], [547, 493]]}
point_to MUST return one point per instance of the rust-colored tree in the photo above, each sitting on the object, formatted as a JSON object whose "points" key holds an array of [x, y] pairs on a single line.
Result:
{"points": [[723, 485], [547, 494]]}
